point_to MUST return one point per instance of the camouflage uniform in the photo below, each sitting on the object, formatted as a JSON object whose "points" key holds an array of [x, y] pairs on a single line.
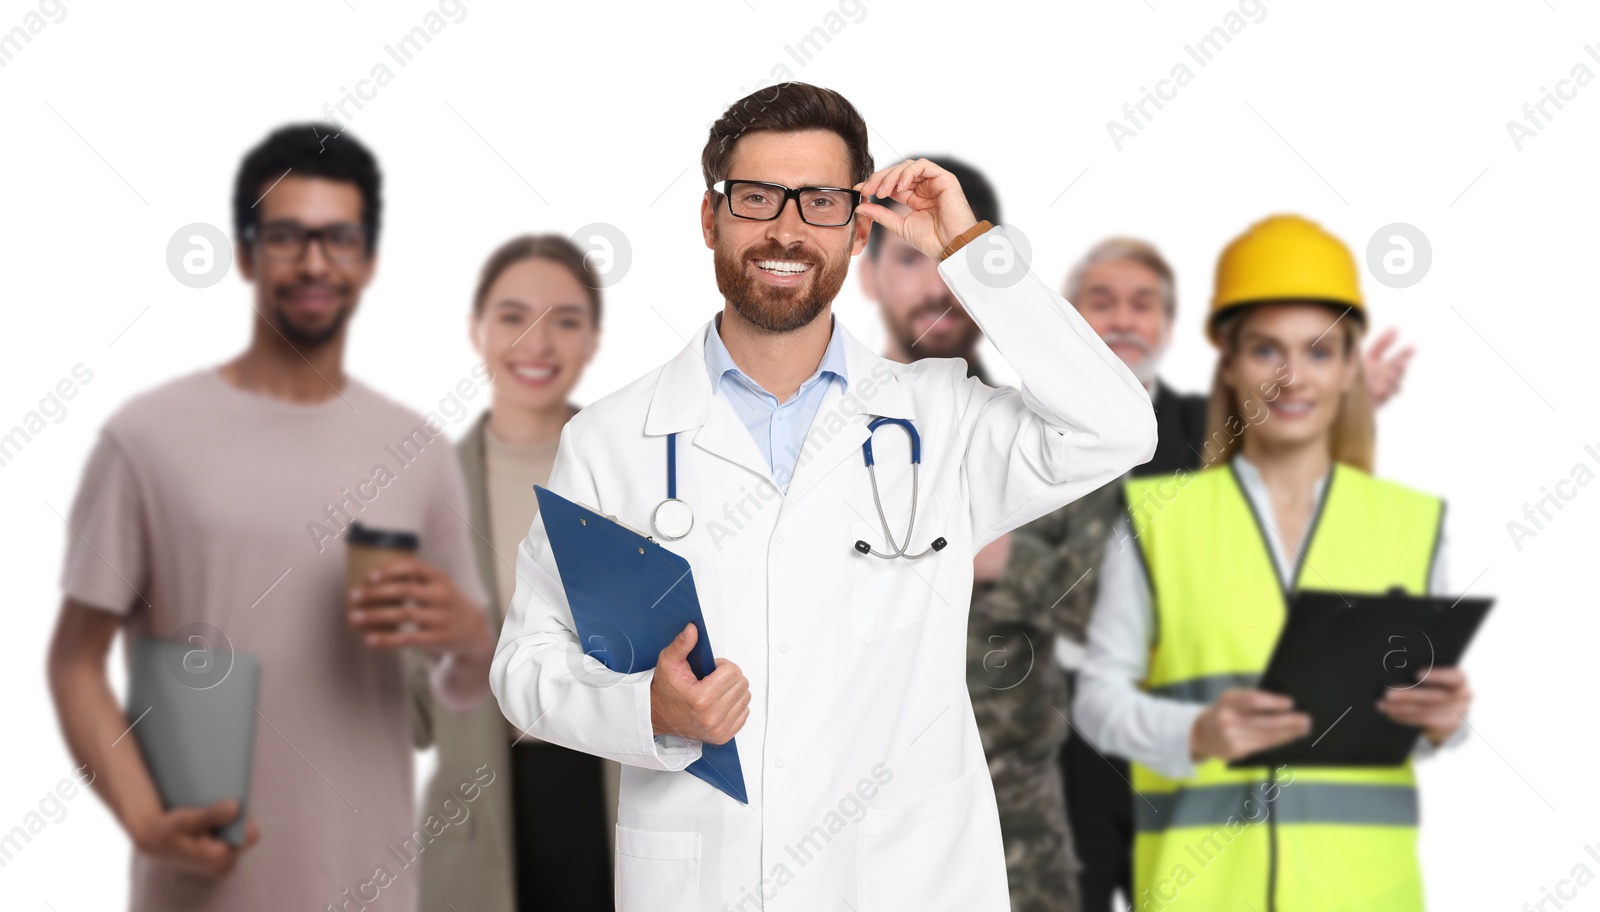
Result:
{"points": [[1019, 692]]}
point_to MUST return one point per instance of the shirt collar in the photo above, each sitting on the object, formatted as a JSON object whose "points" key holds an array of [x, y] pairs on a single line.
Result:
{"points": [[1250, 476], [719, 361]]}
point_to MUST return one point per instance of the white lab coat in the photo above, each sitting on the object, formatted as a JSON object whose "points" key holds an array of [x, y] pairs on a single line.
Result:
{"points": [[866, 776]]}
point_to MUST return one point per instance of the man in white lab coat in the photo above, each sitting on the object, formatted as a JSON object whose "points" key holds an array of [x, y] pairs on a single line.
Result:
{"points": [[842, 673]]}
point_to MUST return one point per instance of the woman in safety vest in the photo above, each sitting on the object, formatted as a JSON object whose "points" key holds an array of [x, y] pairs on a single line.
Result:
{"points": [[1193, 593]]}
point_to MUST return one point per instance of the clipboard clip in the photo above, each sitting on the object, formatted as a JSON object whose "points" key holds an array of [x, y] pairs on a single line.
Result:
{"points": [[644, 535], [1437, 605]]}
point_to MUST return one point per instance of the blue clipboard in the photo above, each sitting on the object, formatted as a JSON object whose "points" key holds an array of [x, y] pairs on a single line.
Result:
{"points": [[629, 597]]}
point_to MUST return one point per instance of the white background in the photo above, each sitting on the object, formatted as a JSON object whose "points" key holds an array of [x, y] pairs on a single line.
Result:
{"points": [[123, 122]]}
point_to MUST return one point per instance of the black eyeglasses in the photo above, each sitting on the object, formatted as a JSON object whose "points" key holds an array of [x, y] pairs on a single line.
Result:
{"points": [[825, 207], [342, 242]]}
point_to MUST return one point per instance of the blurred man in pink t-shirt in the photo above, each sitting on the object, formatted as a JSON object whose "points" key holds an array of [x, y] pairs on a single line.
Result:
{"points": [[220, 500]]}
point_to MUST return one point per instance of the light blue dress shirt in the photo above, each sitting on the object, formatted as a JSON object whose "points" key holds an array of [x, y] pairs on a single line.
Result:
{"points": [[779, 429]]}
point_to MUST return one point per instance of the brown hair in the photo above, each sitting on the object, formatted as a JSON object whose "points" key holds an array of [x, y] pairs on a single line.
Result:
{"points": [[551, 247], [1352, 439], [787, 107]]}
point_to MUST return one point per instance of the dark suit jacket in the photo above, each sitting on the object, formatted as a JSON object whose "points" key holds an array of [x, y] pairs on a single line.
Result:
{"points": [[1180, 432]]}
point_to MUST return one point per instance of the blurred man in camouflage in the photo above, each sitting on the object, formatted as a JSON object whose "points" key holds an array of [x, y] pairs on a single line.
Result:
{"points": [[1018, 690]]}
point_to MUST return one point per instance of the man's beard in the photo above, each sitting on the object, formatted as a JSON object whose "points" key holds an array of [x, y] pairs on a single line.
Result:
{"points": [[928, 344], [304, 337], [774, 308], [1145, 370]]}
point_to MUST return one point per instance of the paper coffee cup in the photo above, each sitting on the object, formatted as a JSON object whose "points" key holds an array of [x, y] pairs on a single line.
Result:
{"points": [[367, 549]]}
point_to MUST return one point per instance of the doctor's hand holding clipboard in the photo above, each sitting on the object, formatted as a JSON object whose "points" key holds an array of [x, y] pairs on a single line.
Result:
{"points": [[710, 709]]}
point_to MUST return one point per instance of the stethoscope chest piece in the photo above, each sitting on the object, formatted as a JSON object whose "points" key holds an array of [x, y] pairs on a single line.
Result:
{"points": [[673, 519]]}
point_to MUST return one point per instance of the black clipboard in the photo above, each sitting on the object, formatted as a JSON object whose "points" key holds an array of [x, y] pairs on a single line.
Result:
{"points": [[1336, 656]]}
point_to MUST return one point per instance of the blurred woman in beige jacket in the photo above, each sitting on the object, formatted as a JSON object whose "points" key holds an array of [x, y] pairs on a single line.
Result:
{"points": [[540, 834]]}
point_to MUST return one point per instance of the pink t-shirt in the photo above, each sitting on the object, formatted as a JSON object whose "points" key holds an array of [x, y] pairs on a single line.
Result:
{"points": [[204, 503]]}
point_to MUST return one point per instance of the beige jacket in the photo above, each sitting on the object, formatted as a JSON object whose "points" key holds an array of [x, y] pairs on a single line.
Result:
{"points": [[471, 868]]}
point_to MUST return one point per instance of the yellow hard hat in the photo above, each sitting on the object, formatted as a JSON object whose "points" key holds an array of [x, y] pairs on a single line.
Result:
{"points": [[1285, 258]]}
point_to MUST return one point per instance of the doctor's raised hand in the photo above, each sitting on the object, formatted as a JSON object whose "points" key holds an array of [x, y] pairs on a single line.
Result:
{"points": [[939, 210], [710, 709]]}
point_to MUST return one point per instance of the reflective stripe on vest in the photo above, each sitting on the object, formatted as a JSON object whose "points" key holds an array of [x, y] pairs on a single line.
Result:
{"points": [[1329, 837], [1295, 802]]}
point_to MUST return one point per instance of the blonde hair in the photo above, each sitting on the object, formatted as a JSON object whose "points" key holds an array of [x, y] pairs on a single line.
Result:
{"points": [[1351, 439]]}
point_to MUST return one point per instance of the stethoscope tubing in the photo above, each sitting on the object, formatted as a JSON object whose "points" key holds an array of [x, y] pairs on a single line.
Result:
{"points": [[863, 547]]}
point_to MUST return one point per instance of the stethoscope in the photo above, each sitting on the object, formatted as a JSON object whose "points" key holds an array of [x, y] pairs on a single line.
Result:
{"points": [[674, 517]]}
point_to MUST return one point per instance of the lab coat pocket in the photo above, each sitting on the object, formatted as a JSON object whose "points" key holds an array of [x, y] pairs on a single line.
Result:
{"points": [[927, 848], [886, 594], [657, 871]]}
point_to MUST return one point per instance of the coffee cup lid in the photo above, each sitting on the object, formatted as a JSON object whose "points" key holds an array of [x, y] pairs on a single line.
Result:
{"points": [[382, 538]]}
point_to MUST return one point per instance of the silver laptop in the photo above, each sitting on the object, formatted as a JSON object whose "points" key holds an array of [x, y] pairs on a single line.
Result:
{"points": [[193, 714]]}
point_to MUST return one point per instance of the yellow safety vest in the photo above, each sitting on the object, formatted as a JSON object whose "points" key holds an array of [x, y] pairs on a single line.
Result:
{"points": [[1307, 839]]}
